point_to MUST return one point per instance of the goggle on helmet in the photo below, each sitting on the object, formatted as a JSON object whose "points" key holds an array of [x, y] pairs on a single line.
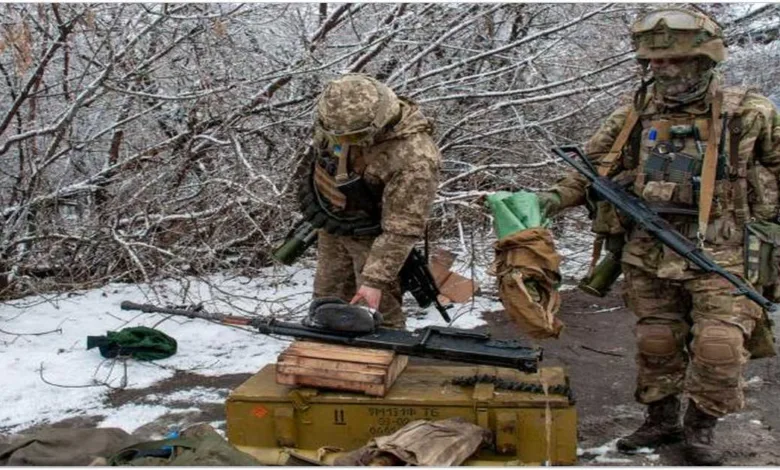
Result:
{"points": [[676, 32]]}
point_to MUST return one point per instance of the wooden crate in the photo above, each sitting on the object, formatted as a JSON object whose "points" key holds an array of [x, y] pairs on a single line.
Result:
{"points": [[371, 371]]}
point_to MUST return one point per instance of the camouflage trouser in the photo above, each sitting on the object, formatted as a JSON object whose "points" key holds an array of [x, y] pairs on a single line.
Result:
{"points": [[340, 261], [690, 338]]}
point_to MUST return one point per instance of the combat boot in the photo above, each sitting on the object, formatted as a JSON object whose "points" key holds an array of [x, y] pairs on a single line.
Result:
{"points": [[661, 426], [699, 430]]}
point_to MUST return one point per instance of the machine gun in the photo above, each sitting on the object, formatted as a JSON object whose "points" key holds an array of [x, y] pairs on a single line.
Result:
{"points": [[655, 225], [433, 342], [415, 275]]}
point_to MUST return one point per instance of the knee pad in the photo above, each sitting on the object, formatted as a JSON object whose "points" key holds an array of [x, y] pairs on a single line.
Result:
{"points": [[718, 344], [656, 339]]}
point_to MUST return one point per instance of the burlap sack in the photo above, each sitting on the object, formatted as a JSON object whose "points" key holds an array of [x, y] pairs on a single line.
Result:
{"points": [[444, 443], [527, 269]]}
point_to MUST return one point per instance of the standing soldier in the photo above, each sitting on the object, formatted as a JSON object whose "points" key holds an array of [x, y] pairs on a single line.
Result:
{"points": [[706, 157], [370, 190]]}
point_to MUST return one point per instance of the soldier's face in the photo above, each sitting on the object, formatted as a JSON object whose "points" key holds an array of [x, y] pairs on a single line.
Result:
{"points": [[678, 75]]}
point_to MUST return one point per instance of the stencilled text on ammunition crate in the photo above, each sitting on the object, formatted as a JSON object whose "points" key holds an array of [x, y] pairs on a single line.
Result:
{"points": [[389, 419]]}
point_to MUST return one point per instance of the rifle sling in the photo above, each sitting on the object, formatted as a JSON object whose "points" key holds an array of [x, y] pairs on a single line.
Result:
{"points": [[709, 167], [608, 161]]}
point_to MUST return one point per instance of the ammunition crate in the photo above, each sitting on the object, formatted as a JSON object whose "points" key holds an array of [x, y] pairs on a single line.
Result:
{"points": [[333, 366], [530, 427]]}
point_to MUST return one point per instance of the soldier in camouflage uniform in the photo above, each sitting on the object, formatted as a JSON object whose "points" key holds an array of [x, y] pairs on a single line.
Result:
{"points": [[707, 158], [375, 177]]}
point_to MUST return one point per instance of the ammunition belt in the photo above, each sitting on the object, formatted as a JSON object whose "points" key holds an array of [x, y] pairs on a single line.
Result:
{"points": [[506, 384]]}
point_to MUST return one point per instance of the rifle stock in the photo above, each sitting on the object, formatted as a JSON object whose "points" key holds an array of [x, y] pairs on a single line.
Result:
{"points": [[416, 278], [432, 342], [655, 225]]}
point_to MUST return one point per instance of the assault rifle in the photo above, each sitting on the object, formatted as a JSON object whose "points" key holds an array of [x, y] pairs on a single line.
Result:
{"points": [[433, 342], [416, 277], [655, 225]]}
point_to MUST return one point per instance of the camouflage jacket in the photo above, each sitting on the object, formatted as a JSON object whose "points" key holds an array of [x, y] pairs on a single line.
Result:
{"points": [[403, 167], [758, 134]]}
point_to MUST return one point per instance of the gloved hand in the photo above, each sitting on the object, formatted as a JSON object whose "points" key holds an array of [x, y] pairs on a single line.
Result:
{"points": [[549, 202]]}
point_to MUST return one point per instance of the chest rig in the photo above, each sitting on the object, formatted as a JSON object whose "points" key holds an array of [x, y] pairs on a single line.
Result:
{"points": [[335, 195], [671, 160], [686, 166], [686, 163]]}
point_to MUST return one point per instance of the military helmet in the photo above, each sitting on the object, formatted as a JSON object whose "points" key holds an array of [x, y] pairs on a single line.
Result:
{"points": [[676, 32], [354, 108]]}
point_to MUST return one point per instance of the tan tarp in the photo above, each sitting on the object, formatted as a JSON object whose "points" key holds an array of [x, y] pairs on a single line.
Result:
{"points": [[444, 443], [528, 270]]}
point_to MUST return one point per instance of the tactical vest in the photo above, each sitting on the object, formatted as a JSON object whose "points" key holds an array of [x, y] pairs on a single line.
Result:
{"points": [[688, 165], [336, 197]]}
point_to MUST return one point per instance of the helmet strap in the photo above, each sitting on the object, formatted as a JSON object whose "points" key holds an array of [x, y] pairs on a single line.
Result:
{"points": [[640, 97], [342, 170]]}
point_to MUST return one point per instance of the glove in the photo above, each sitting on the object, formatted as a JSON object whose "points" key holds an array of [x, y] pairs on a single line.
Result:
{"points": [[549, 203]]}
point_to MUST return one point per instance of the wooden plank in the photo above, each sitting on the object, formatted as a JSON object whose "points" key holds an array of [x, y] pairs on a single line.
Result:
{"points": [[398, 365], [371, 371], [341, 353], [378, 390], [362, 377], [330, 365]]}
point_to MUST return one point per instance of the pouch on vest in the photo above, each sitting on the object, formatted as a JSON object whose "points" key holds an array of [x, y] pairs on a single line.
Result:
{"points": [[762, 253], [762, 256], [762, 341]]}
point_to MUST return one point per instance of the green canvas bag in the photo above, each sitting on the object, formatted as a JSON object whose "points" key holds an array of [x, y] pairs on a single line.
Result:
{"points": [[139, 342]]}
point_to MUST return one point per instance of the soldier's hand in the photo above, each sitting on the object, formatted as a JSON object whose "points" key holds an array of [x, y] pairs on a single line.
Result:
{"points": [[549, 202], [370, 295]]}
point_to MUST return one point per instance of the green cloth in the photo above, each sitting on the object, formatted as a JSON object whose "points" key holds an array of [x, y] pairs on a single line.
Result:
{"points": [[525, 205], [505, 221], [513, 212], [138, 342]]}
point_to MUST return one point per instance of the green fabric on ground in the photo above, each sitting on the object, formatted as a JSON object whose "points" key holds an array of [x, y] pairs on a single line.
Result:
{"points": [[138, 342]]}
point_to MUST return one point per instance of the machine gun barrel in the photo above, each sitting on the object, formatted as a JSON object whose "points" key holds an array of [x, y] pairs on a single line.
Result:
{"points": [[655, 225], [433, 342]]}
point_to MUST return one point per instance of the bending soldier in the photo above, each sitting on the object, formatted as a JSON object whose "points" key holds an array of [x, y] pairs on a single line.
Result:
{"points": [[706, 157], [370, 190]]}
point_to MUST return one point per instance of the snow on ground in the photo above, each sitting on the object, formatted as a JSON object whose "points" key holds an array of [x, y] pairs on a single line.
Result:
{"points": [[608, 453], [49, 375]]}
